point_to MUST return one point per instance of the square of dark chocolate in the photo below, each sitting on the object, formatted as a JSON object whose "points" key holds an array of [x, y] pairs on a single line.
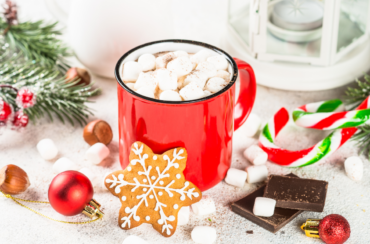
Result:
{"points": [[281, 217], [297, 193]]}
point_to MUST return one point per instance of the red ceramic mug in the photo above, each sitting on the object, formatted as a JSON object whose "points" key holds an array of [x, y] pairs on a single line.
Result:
{"points": [[204, 126]]}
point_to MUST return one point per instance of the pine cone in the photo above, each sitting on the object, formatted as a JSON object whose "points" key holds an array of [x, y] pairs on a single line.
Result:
{"points": [[11, 12]]}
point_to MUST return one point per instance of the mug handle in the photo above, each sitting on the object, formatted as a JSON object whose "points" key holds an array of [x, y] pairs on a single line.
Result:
{"points": [[56, 11], [247, 93]]}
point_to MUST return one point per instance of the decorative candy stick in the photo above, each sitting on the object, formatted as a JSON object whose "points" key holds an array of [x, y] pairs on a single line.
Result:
{"points": [[311, 155]]}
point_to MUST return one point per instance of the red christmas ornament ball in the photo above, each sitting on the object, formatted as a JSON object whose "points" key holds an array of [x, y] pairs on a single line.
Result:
{"points": [[25, 98], [334, 229], [70, 192], [20, 119], [5, 111]]}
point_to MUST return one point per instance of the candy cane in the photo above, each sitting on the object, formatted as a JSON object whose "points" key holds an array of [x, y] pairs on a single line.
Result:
{"points": [[322, 115]]}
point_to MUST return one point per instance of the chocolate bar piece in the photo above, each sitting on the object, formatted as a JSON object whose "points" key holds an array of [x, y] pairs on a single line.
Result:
{"points": [[297, 193], [281, 217]]}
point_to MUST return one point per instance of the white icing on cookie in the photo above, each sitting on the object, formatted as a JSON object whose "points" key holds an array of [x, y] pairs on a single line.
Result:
{"points": [[175, 206], [123, 198], [160, 193], [147, 218], [129, 168], [178, 176], [144, 189], [153, 177], [161, 182], [151, 196], [155, 157], [145, 181]]}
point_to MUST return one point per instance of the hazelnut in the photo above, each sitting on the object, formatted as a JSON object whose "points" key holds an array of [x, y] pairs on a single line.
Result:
{"points": [[98, 131], [78, 73], [13, 180]]}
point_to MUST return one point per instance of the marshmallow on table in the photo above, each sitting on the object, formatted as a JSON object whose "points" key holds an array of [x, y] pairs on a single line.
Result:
{"points": [[216, 84], [205, 206], [89, 174], [208, 69], [183, 216], [131, 86], [191, 92], [219, 62], [134, 240], [167, 80], [63, 164], [255, 155], [204, 235], [201, 56], [148, 80], [47, 149], [170, 95], [354, 168], [145, 91], [181, 66], [264, 206], [181, 53], [131, 71], [147, 61], [253, 124], [224, 75], [162, 61], [236, 177], [97, 153], [198, 77], [257, 173]]}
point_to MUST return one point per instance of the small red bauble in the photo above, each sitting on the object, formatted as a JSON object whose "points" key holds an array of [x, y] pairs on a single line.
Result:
{"points": [[70, 192], [334, 229], [5, 111], [20, 119], [26, 98]]}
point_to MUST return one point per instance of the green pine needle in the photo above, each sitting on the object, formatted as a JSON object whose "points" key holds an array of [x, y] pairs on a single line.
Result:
{"points": [[32, 55], [354, 97]]}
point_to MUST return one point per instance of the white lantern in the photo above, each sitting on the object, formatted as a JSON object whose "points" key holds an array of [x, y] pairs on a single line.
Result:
{"points": [[301, 44]]}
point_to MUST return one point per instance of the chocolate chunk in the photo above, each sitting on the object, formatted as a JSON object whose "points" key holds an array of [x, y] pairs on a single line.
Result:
{"points": [[297, 193], [281, 217]]}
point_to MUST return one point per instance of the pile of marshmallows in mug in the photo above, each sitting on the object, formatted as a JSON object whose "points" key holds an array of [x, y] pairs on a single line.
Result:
{"points": [[177, 76]]}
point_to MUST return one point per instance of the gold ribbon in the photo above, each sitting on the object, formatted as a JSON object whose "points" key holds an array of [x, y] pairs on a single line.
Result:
{"points": [[16, 200]]}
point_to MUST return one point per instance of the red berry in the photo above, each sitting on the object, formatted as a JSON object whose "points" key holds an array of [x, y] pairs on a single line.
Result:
{"points": [[20, 119], [334, 229], [25, 98], [5, 111]]}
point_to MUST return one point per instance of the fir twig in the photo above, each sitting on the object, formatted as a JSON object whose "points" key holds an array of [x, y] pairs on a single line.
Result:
{"points": [[362, 139]]}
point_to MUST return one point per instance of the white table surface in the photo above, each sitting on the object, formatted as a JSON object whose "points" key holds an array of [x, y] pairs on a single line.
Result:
{"points": [[19, 225]]}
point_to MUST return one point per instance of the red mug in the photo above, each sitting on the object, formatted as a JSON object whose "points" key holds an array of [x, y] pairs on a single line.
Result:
{"points": [[204, 126]]}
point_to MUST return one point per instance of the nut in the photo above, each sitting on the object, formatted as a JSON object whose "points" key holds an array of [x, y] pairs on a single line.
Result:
{"points": [[98, 131], [13, 180], [78, 73]]}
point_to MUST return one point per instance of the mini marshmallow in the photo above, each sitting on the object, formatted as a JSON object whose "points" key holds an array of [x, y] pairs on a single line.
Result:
{"points": [[208, 69], [148, 80], [204, 235], [63, 164], [134, 240], [264, 206], [97, 153], [170, 95], [181, 53], [145, 91], [47, 149], [147, 62], [255, 155], [224, 75], [191, 92], [162, 61], [219, 62], [252, 124], [167, 80], [183, 216], [257, 173], [205, 206], [131, 86], [354, 168], [196, 76], [131, 71], [181, 66], [89, 174], [201, 56], [236, 177], [216, 84], [180, 82], [206, 93]]}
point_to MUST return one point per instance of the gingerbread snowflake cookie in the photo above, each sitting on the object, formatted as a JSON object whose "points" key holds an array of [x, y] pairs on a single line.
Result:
{"points": [[152, 189]]}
